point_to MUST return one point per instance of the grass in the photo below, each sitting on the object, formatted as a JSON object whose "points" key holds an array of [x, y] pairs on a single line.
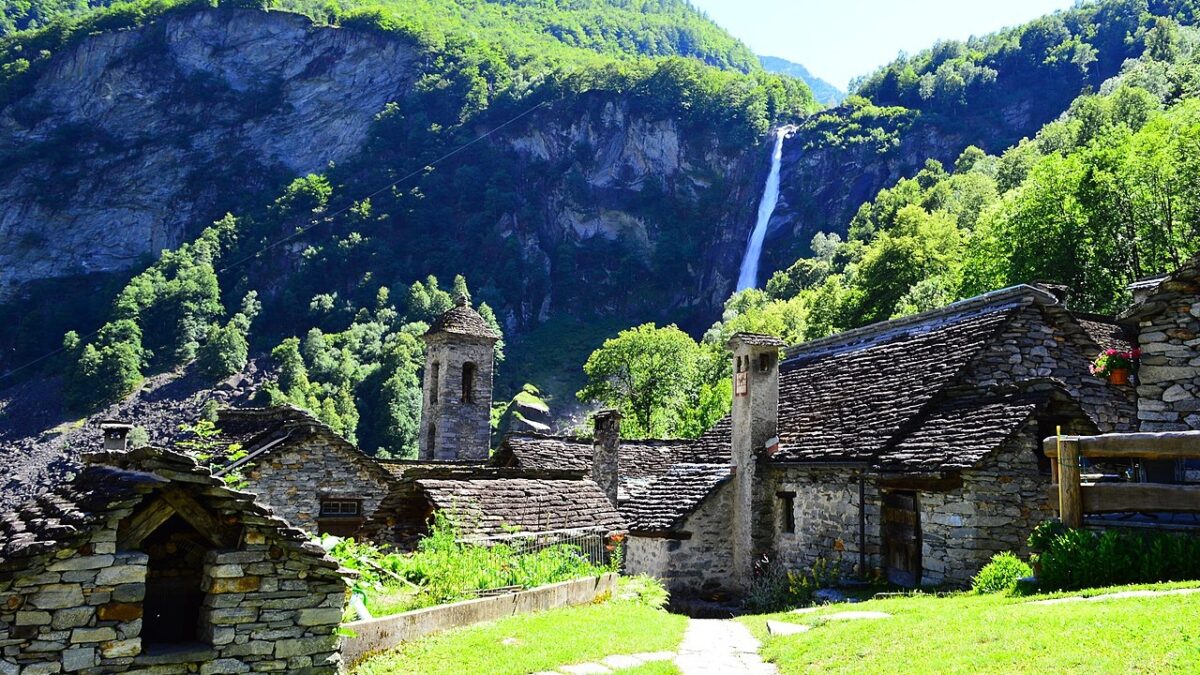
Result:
{"points": [[654, 668], [543, 641], [995, 634]]}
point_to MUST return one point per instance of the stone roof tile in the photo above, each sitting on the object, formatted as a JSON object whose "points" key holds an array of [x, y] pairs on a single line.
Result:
{"points": [[959, 434], [663, 504], [462, 319]]}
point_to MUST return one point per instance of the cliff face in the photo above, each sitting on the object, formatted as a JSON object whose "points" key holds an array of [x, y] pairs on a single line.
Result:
{"points": [[134, 140], [630, 188]]}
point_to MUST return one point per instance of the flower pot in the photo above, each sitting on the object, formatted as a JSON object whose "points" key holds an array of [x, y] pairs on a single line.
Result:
{"points": [[1118, 376]]}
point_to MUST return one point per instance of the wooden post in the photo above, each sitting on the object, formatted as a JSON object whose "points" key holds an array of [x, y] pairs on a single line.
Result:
{"points": [[1070, 506]]}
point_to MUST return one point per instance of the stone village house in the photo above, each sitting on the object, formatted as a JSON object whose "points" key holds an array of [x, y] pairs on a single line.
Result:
{"points": [[320, 482], [909, 446], [145, 562]]}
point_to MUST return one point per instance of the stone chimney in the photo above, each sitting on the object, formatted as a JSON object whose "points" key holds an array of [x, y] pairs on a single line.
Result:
{"points": [[755, 428], [606, 448], [1143, 288], [116, 434], [1061, 292]]}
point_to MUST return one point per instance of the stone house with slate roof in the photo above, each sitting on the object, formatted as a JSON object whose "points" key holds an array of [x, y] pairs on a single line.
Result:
{"points": [[909, 447], [304, 470], [486, 502], [145, 562]]}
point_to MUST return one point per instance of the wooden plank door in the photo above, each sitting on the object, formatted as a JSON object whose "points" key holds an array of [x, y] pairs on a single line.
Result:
{"points": [[902, 538]]}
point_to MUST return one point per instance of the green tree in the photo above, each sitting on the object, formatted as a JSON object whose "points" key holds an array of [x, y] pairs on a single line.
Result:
{"points": [[645, 372]]}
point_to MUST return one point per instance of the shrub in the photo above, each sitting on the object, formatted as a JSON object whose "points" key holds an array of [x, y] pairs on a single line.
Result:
{"points": [[1071, 559], [225, 351], [644, 590], [444, 569], [1001, 574], [775, 589]]}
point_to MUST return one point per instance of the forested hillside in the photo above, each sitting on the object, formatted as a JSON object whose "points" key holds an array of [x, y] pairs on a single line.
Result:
{"points": [[546, 165], [823, 91], [574, 167]]}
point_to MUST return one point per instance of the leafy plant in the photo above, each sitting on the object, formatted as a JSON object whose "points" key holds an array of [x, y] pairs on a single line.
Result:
{"points": [[1001, 574], [1070, 559], [1111, 360], [202, 441], [446, 569]]}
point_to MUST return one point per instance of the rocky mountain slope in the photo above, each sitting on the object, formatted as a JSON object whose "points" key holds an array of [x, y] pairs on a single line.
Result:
{"points": [[133, 141], [825, 93]]}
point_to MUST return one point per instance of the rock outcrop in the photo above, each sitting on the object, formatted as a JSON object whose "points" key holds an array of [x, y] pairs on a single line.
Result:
{"points": [[133, 141]]}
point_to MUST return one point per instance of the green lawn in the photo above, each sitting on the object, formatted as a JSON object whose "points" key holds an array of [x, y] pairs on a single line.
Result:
{"points": [[995, 634], [544, 641]]}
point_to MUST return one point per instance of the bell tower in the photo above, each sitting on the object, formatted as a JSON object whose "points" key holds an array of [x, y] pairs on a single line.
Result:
{"points": [[457, 398]]}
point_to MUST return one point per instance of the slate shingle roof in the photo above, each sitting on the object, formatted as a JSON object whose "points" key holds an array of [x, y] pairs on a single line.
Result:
{"points": [[638, 460], [1105, 331], [488, 501], [665, 503], [491, 506], [462, 320], [65, 517], [261, 431], [1164, 288], [847, 401], [959, 434]]}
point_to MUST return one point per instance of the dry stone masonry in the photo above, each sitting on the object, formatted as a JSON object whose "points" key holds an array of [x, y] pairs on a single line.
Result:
{"points": [[146, 563], [457, 403]]}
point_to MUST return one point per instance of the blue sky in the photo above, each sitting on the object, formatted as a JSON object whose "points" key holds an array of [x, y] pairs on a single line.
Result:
{"points": [[840, 39]]}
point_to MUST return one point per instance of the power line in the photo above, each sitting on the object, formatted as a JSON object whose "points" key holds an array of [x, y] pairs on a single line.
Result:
{"points": [[314, 223]]}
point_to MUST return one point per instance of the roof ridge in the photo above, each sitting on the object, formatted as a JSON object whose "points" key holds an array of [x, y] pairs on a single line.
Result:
{"points": [[880, 329]]}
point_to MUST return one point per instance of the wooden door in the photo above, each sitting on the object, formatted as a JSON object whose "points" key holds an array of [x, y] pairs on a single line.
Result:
{"points": [[902, 538]]}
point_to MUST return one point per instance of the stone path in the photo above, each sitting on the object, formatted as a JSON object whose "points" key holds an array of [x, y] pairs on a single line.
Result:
{"points": [[710, 647], [611, 664], [720, 647], [1114, 596]]}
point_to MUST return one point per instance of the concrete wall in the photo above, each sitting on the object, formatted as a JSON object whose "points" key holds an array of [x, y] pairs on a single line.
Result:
{"points": [[293, 480], [1169, 376], [699, 564], [461, 429], [375, 635]]}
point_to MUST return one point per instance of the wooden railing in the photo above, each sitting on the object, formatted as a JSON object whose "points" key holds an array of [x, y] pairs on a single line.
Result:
{"points": [[1076, 498]]}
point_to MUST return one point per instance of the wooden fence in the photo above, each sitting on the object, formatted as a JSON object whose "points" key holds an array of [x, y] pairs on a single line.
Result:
{"points": [[1076, 498]]}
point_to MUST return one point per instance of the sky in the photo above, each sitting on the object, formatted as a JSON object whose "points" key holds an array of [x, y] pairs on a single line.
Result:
{"points": [[841, 39]]}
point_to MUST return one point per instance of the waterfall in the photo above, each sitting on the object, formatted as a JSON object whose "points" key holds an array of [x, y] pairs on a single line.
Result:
{"points": [[748, 278]]}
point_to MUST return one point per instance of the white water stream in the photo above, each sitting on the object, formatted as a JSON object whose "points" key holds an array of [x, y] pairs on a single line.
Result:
{"points": [[748, 278]]}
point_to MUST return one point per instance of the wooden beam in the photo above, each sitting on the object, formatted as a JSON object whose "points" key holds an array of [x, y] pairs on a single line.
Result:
{"points": [[134, 529], [1116, 497], [197, 516], [1070, 508], [1160, 445]]}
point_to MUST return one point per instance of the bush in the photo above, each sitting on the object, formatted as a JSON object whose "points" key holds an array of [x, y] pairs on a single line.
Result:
{"points": [[1073, 559], [444, 569], [1001, 574], [775, 589], [224, 352]]}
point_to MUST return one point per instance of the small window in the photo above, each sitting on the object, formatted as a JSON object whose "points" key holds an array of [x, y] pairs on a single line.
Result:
{"points": [[434, 376], [431, 436], [340, 508], [468, 382], [787, 501], [764, 363]]}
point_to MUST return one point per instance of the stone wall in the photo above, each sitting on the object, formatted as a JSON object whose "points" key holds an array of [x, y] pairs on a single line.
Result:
{"points": [[1169, 377], [995, 510], [1032, 350], [699, 564], [265, 610], [825, 508], [461, 430], [294, 479]]}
